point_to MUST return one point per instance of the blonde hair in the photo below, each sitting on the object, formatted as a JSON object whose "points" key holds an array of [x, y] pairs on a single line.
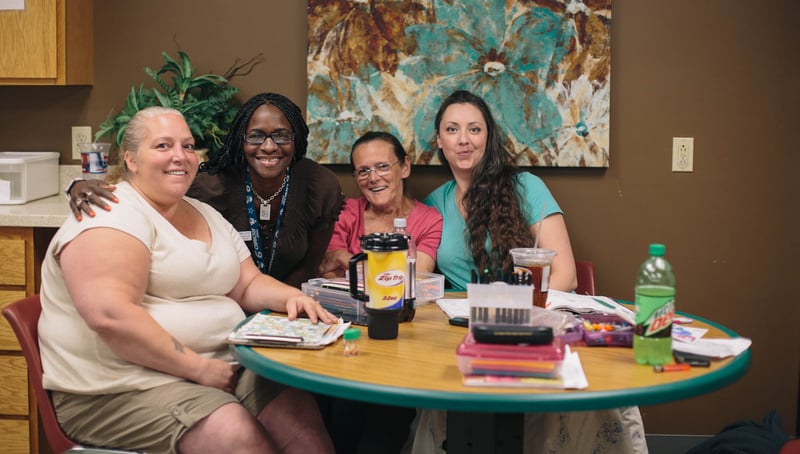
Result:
{"points": [[135, 132]]}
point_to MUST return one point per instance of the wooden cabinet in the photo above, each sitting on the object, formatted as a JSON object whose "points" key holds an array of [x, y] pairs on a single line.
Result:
{"points": [[49, 42], [18, 416]]}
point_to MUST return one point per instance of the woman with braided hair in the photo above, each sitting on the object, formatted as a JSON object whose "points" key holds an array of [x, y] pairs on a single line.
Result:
{"points": [[282, 204]]}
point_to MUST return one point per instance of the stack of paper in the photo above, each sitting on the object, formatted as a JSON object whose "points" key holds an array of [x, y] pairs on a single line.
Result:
{"points": [[268, 330], [454, 307]]}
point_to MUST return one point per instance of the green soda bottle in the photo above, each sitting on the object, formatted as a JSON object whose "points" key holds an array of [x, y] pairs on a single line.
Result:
{"points": [[655, 308]]}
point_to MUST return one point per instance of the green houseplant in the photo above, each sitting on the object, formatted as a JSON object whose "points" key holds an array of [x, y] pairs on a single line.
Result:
{"points": [[206, 101]]}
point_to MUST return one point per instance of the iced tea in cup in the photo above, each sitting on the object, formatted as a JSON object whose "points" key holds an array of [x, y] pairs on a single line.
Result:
{"points": [[534, 264]]}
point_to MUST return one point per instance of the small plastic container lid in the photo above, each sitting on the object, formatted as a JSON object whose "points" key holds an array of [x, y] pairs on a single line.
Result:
{"points": [[352, 334]]}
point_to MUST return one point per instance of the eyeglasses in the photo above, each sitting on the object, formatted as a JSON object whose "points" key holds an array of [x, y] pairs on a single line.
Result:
{"points": [[381, 170], [279, 138]]}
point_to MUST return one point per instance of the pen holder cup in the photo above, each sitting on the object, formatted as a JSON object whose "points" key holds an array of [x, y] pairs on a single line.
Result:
{"points": [[382, 323]]}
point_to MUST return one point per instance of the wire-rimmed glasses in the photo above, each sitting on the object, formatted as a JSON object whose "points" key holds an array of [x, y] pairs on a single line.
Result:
{"points": [[381, 170]]}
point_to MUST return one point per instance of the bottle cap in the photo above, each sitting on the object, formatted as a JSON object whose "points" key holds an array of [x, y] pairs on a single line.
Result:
{"points": [[657, 249], [400, 223], [352, 334]]}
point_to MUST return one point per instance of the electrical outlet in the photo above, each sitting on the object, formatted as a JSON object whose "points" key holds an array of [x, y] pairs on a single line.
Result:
{"points": [[80, 134], [682, 154]]}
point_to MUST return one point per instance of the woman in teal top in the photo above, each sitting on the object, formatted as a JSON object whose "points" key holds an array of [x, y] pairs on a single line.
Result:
{"points": [[488, 208], [453, 258]]}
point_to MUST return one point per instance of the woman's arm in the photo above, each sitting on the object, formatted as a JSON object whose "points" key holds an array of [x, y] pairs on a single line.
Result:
{"points": [[110, 303], [335, 263], [425, 263], [427, 234], [308, 268], [554, 236], [256, 291]]}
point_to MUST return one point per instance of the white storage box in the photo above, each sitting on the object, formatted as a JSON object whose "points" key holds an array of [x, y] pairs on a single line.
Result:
{"points": [[27, 175]]}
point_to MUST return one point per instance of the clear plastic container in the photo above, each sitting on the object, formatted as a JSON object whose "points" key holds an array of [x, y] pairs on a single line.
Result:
{"points": [[352, 341], [27, 175], [620, 334], [334, 295]]}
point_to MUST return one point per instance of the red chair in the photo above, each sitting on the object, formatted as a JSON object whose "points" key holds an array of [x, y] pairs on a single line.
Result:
{"points": [[791, 447], [23, 316], [585, 271]]}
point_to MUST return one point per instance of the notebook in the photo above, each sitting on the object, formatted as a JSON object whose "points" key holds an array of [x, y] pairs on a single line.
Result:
{"points": [[269, 330]]}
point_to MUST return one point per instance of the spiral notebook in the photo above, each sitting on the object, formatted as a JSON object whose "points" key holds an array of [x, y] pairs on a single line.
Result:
{"points": [[269, 330]]}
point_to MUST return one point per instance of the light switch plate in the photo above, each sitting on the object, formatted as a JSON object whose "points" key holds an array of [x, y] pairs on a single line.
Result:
{"points": [[682, 154], [80, 134]]}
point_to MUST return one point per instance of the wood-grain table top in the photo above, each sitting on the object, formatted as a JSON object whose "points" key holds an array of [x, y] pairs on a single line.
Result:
{"points": [[420, 369]]}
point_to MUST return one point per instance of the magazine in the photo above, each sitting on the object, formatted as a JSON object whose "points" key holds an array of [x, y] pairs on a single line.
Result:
{"points": [[588, 304], [268, 330]]}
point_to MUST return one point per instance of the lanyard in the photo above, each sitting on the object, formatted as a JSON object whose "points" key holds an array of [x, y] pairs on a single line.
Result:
{"points": [[255, 230]]}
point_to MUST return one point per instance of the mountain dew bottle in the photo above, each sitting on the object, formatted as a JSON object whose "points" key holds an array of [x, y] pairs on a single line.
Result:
{"points": [[655, 308]]}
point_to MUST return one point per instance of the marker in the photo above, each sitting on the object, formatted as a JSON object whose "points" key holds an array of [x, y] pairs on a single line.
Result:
{"points": [[671, 367]]}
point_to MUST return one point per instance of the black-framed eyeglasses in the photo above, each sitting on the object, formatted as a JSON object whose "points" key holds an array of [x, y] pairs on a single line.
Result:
{"points": [[381, 170], [279, 138]]}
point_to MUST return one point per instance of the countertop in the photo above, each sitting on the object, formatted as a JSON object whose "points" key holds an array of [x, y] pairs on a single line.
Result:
{"points": [[47, 212]]}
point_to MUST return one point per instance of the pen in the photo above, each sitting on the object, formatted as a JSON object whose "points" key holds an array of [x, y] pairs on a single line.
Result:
{"points": [[671, 367]]}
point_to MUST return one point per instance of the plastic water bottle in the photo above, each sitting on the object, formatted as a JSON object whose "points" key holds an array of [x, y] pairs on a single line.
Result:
{"points": [[655, 308], [400, 225], [410, 299]]}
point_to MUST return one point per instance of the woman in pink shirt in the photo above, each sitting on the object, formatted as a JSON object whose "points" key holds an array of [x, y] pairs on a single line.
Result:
{"points": [[380, 167]]}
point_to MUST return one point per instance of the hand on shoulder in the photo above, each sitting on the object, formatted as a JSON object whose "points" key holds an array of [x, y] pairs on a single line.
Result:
{"points": [[82, 194]]}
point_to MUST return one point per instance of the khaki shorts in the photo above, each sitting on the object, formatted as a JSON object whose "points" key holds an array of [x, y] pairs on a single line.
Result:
{"points": [[154, 420]]}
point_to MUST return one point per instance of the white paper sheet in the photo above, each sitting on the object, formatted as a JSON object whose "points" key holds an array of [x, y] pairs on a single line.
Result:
{"points": [[12, 4], [714, 348], [454, 307]]}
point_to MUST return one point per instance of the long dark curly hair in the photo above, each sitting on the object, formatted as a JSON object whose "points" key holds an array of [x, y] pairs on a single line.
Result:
{"points": [[231, 157], [492, 202]]}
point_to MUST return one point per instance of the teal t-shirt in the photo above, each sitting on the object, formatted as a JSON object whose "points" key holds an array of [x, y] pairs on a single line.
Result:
{"points": [[453, 257]]}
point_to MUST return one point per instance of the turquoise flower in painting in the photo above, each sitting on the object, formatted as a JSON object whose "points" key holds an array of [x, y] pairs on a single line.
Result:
{"points": [[354, 49], [343, 112], [501, 51], [542, 65]]}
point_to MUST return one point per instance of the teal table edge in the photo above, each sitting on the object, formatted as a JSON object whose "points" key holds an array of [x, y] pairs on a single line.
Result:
{"points": [[576, 400]]}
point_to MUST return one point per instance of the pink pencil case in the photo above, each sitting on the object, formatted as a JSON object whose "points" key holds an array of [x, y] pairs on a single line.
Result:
{"points": [[509, 360]]}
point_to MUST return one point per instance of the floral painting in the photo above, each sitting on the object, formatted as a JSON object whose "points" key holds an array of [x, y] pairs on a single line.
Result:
{"points": [[543, 66]]}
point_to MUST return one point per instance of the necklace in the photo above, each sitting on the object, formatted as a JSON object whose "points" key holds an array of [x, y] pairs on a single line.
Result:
{"points": [[266, 210]]}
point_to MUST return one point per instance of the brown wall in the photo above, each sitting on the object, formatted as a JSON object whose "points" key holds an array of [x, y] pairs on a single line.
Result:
{"points": [[720, 71]]}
